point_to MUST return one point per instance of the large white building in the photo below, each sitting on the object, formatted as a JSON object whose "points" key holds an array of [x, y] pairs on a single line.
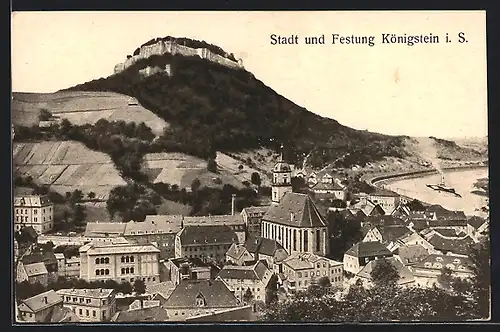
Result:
{"points": [[119, 260], [35, 211], [90, 305]]}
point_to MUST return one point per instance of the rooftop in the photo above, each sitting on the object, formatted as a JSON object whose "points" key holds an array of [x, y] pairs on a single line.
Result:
{"points": [[297, 210], [98, 293], [299, 261], [214, 220], [368, 249], [410, 254], [457, 245], [257, 271], [476, 222], [256, 209], [261, 245], [150, 314], [98, 229], [405, 275], [120, 249], [35, 269], [327, 186], [190, 261], [31, 201], [40, 302], [155, 224], [214, 292], [437, 262], [384, 193], [197, 235]]}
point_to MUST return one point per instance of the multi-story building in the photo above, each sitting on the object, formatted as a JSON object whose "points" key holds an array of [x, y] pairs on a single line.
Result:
{"points": [[35, 211], [90, 305], [363, 252], [252, 217], [119, 260], [47, 257], [242, 280], [329, 188], [103, 230], [68, 267], [234, 221], [387, 199], [266, 249], [158, 229], [210, 243], [428, 270], [32, 273], [39, 308], [196, 297], [293, 219], [302, 269]]}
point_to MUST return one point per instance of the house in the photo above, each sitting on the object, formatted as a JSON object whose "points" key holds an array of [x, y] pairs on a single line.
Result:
{"points": [[160, 291], [26, 238], [387, 199], [266, 249], [447, 246], [410, 254], [36, 211], [476, 226], [245, 281], [401, 211], [187, 269], [363, 252], [195, 297], [252, 217], [405, 275], [329, 188], [234, 221], [32, 273], [367, 207], [238, 254], [39, 308], [68, 267], [422, 215], [241, 314], [386, 234], [99, 230], [90, 305], [302, 269], [119, 260], [210, 243], [47, 257], [428, 270], [141, 314], [411, 239], [383, 221], [160, 229]]}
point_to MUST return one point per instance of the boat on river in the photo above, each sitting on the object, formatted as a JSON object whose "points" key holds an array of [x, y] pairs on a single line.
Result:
{"points": [[442, 187]]}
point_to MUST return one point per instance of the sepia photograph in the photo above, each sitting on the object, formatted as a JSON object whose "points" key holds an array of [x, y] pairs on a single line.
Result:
{"points": [[249, 166]]}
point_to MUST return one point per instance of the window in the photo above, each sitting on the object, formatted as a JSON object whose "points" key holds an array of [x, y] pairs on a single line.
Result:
{"points": [[131, 270], [104, 314], [103, 302], [324, 264], [123, 259], [318, 240], [102, 260], [88, 300], [132, 259], [68, 298], [294, 239], [81, 300], [318, 265], [75, 299], [106, 260], [106, 272], [305, 274], [96, 272], [299, 283], [127, 259], [93, 313], [80, 311], [299, 275], [123, 271], [87, 312], [317, 273], [127, 270], [97, 260], [153, 278]]}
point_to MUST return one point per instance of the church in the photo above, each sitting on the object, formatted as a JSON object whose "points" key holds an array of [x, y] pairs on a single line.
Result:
{"points": [[292, 219]]}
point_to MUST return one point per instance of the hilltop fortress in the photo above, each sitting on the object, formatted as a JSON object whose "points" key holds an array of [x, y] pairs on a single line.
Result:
{"points": [[160, 47]]}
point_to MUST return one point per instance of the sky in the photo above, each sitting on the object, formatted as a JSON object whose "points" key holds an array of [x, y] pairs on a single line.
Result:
{"points": [[436, 89]]}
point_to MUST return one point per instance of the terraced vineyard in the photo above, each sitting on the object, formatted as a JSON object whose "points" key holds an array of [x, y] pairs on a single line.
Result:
{"points": [[67, 166]]}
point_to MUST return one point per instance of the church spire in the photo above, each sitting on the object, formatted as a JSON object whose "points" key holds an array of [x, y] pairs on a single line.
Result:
{"points": [[281, 152]]}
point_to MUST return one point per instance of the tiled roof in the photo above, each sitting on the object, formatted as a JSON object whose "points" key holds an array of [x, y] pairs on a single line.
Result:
{"points": [[306, 260], [393, 233], [236, 251], [257, 271], [35, 269], [256, 209], [448, 232], [155, 224], [31, 201], [193, 261], [98, 293], [215, 220], [41, 301], [207, 234], [421, 215], [458, 246], [47, 257], [164, 289], [412, 253], [63, 315], [258, 244], [385, 220], [448, 222], [122, 249], [214, 292], [367, 249], [476, 222], [452, 262], [296, 210], [377, 211], [327, 186], [418, 224], [102, 228], [150, 314], [405, 275]]}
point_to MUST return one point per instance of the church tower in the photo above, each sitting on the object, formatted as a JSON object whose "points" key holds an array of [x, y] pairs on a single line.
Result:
{"points": [[282, 179]]}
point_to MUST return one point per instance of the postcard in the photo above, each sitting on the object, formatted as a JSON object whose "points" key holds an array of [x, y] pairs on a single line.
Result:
{"points": [[251, 166]]}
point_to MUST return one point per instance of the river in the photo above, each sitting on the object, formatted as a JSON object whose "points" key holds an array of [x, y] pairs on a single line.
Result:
{"points": [[462, 180]]}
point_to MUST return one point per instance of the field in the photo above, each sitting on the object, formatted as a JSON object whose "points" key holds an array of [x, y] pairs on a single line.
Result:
{"points": [[67, 166], [182, 169], [231, 166], [82, 108]]}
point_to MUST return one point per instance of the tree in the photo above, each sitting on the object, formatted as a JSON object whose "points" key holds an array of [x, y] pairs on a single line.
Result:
{"points": [[139, 286], [91, 195], [79, 214], [125, 287], [272, 290], [338, 203], [481, 281], [446, 279], [343, 233], [76, 196], [255, 179], [44, 115], [384, 274], [240, 168], [195, 185], [212, 165], [415, 205]]}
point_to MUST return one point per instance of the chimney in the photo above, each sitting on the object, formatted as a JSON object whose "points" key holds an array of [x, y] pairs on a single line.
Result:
{"points": [[233, 198], [45, 300], [291, 216]]}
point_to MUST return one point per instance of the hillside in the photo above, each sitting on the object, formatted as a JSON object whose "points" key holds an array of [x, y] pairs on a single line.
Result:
{"points": [[82, 108], [214, 107]]}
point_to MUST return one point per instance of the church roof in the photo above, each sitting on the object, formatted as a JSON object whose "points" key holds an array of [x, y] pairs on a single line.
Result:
{"points": [[296, 210], [281, 167]]}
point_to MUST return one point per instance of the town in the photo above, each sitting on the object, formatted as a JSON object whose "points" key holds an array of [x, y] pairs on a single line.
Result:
{"points": [[236, 267]]}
